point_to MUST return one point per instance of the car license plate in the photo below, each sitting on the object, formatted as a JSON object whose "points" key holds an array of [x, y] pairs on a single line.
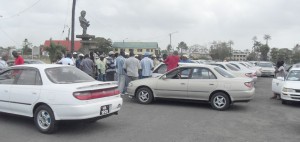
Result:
{"points": [[104, 110]]}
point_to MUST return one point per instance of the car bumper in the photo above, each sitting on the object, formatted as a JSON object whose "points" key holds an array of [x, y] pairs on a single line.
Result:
{"points": [[290, 96], [242, 96], [86, 111]]}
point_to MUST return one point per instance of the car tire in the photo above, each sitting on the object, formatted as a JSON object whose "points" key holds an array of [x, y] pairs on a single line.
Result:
{"points": [[44, 120], [285, 102], [220, 101], [144, 95]]}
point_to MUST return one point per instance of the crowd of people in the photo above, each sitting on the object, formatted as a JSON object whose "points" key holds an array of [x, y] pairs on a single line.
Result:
{"points": [[121, 67]]}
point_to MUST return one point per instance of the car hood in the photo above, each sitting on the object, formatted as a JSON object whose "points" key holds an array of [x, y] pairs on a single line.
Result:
{"points": [[292, 84]]}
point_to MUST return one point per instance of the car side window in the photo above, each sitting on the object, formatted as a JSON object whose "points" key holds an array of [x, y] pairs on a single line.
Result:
{"points": [[29, 77], [161, 69], [219, 65], [202, 73], [181, 73], [9, 76], [235, 66]]}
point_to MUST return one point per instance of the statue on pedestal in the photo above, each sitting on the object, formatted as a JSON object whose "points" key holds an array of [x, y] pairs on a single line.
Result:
{"points": [[83, 22]]}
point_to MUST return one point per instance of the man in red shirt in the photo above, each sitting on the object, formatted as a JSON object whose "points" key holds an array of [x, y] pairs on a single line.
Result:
{"points": [[18, 58], [172, 61]]}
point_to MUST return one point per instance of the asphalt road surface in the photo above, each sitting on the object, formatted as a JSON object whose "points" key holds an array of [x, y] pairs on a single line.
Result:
{"points": [[260, 120]]}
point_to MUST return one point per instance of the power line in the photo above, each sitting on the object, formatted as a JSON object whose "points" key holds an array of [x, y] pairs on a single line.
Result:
{"points": [[19, 13]]}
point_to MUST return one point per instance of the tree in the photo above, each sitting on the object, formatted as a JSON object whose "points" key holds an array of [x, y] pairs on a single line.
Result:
{"points": [[55, 51], [296, 54], [274, 54], [169, 48], [285, 54], [164, 51], [251, 56], [267, 38], [26, 50], [182, 46], [219, 50], [103, 45], [264, 50]]}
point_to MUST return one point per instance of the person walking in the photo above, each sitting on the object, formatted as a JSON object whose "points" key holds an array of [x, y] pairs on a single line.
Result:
{"points": [[67, 60], [101, 67], [110, 67], [279, 72], [18, 58], [132, 66], [172, 61], [87, 65], [147, 66], [121, 73]]}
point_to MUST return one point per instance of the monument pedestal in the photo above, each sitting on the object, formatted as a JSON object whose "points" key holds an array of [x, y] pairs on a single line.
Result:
{"points": [[87, 44]]}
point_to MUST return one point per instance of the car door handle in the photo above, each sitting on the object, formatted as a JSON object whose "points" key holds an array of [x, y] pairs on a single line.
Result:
{"points": [[211, 84], [5, 91], [182, 83], [34, 93]]}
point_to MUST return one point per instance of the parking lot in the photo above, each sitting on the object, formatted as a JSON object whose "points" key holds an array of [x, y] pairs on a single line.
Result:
{"points": [[262, 119]]}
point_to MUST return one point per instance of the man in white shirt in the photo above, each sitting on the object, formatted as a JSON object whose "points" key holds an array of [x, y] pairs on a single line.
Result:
{"points": [[132, 66], [147, 66], [67, 60], [3, 63]]}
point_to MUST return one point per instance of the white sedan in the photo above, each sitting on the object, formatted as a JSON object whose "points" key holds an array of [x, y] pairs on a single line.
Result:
{"points": [[194, 82], [288, 88], [267, 68], [50, 93]]}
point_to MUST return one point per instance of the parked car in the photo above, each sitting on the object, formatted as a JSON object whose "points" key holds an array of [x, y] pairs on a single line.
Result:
{"points": [[267, 68], [12, 62], [50, 93], [288, 87], [252, 73], [252, 67], [234, 70], [194, 82]]}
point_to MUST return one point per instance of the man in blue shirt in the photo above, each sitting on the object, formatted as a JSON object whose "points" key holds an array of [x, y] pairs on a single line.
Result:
{"points": [[147, 66], [184, 59], [121, 72]]}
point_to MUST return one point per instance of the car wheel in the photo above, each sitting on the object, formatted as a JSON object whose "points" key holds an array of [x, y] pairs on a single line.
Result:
{"points": [[144, 95], [220, 101], [44, 120], [285, 102]]}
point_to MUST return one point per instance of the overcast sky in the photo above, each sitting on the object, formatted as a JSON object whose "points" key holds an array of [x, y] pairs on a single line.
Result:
{"points": [[197, 21]]}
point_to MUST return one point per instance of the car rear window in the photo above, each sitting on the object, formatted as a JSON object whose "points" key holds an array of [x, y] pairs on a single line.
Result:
{"points": [[231, 67], [224, 72], [67, 75]]}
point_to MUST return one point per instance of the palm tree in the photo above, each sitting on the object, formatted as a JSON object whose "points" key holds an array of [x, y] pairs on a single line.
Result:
{"points": [[267, 38], [169, 48]]}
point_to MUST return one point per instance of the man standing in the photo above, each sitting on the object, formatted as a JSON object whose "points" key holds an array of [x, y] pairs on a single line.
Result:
{"points": [[172, 61], [67, 60], [18, 58], [121, 73], [74, 58], [184, 59], [132, 66], [147, 66], [101, 67], [155, 61], [3, 62], [78, 61], [111, 68], [87, 65]]}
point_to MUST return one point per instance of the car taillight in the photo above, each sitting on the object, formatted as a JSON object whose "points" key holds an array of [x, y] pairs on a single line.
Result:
{"points": [[248, 74], [254, 74], [95, 94], [248, 84]]}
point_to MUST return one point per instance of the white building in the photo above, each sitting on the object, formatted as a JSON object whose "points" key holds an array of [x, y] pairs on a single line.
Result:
{"points": [[239, 55]]}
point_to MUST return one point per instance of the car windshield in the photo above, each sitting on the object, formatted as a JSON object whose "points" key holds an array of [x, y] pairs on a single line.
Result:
{"points": [[231, 67], [224, 72], [67, 75], [268, 65], [294, 75]]}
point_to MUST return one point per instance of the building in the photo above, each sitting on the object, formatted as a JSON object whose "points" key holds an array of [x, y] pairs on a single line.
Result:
{"points": [[199, 52], [137, 47], [238, 55], [66, 43]]}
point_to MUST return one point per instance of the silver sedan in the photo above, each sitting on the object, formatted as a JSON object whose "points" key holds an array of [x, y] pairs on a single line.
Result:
{"points": [[195, 82]]}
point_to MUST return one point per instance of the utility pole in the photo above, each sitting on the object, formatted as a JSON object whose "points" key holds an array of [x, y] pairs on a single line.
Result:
{"points": [[170, 34], [73, 25]]}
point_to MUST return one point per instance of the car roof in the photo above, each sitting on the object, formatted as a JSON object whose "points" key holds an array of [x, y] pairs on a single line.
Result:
{"points": [[39, 66]]}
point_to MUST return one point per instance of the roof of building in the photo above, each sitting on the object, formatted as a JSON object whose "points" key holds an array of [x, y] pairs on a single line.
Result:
{"points": [[136, 45], [65, 43]]}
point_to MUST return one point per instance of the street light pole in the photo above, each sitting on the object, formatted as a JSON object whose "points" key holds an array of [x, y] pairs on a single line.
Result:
{"points": [[170, 34], [73, 25]]}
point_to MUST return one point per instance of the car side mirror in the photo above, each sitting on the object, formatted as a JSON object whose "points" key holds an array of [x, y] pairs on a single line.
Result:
{"points": [[280, 78], [164, 77]]}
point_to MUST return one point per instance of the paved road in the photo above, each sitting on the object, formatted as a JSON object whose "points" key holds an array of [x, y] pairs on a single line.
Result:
{"points": [[260, 120]]}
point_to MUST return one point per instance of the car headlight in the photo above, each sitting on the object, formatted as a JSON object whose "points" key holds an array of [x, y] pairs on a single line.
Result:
{"points": [[130, 84], [288, 90]]}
